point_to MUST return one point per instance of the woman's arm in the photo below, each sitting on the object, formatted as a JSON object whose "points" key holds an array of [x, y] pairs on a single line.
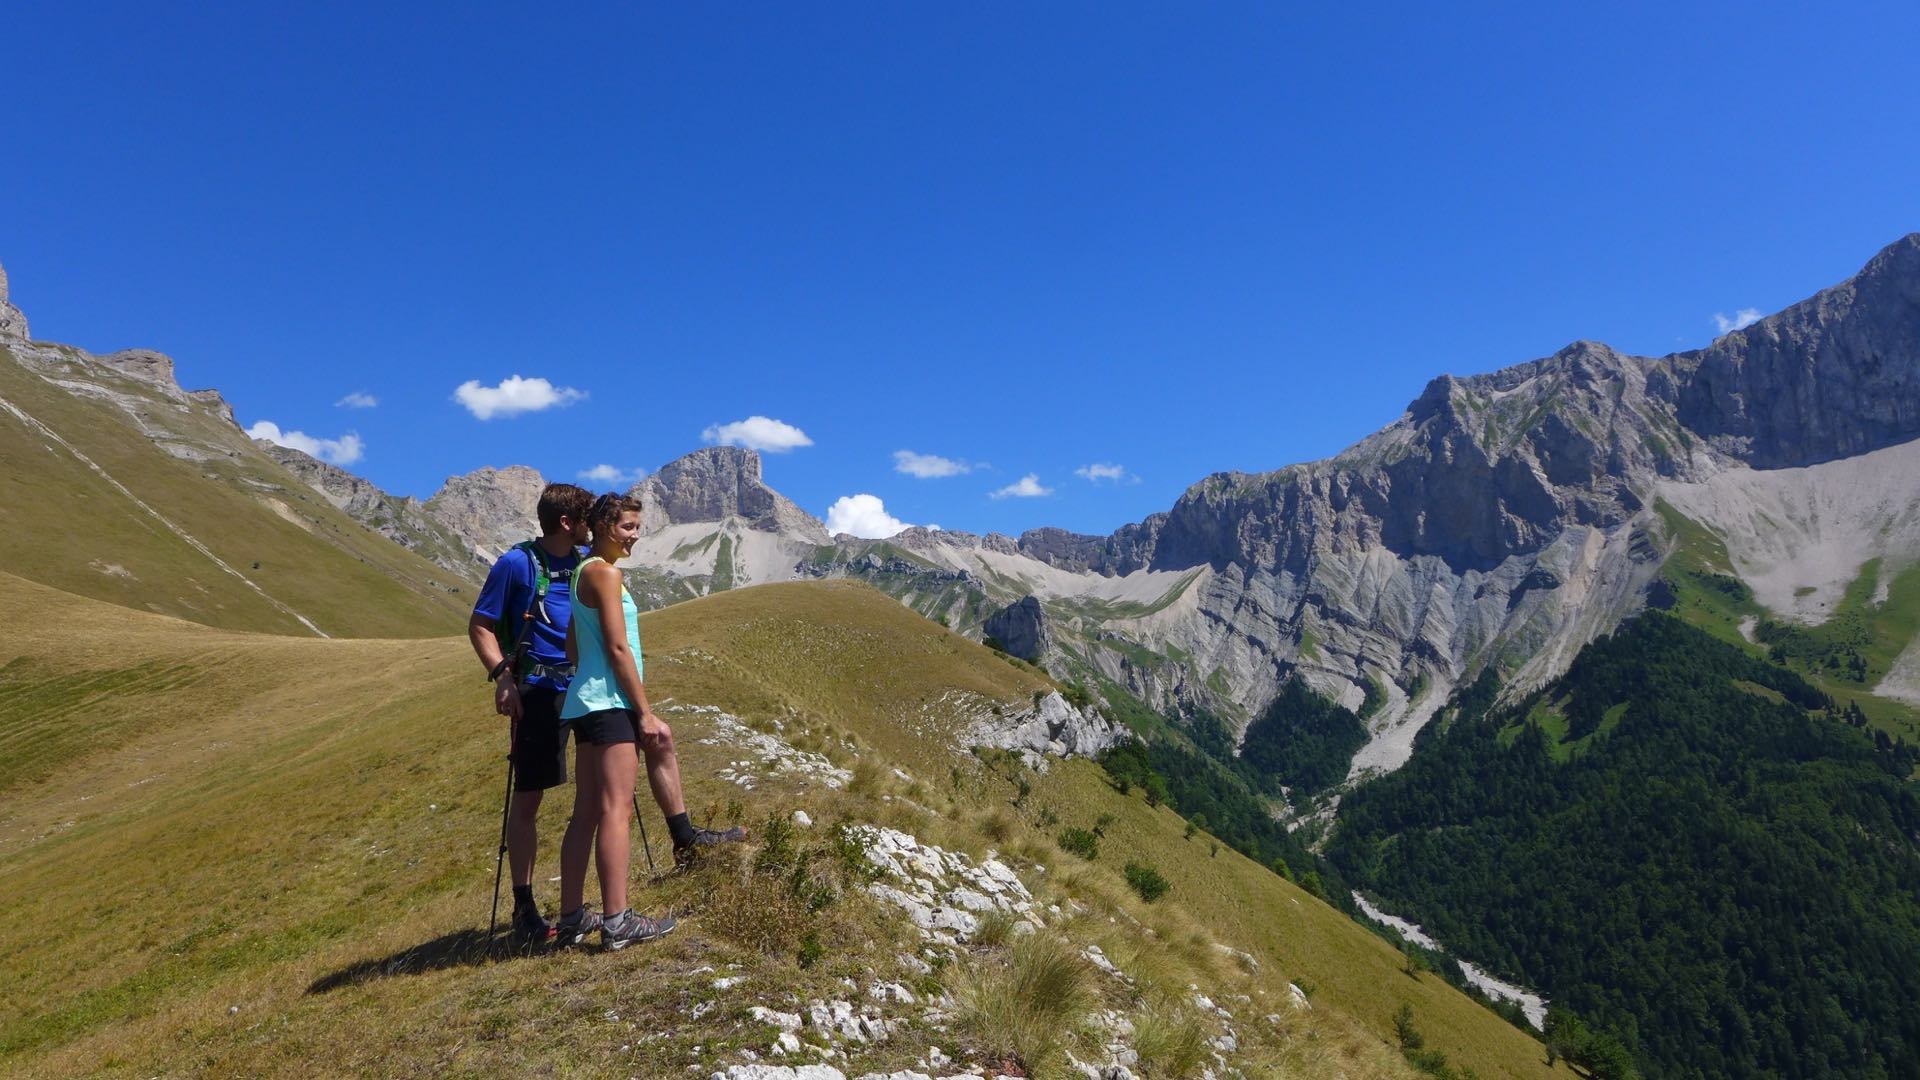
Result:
{"points": [[603, 586]]}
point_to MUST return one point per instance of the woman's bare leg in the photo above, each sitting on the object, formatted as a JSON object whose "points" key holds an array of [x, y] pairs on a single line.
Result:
{"points": [[577, 847], [618, 766]]}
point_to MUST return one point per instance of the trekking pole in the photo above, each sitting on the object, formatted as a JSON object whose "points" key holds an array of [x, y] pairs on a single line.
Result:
{"points": [[645, 844], [500, 861]]}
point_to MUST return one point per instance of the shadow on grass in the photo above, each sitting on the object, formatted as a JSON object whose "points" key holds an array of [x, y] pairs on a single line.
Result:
{"points": [[462, 948]]}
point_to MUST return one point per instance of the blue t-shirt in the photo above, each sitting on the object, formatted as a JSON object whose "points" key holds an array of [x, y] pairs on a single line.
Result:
{"points": [[509, 587]]}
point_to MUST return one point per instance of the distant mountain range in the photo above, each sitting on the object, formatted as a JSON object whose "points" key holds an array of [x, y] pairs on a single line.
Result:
{"points": [[1504, 520]]}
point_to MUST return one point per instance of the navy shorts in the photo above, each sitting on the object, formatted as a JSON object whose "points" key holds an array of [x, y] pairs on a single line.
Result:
{"points": [[540, 741], [606, 727]]}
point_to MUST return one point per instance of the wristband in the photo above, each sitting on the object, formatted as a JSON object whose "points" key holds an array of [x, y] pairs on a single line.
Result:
{"points": [[494, 675]]}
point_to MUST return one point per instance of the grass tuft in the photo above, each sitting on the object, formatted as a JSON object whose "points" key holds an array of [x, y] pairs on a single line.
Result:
{"points": [[1029, 1006]]}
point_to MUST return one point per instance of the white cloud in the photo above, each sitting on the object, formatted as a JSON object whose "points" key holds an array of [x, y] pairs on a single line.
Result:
{"points": [[359, 399], [1027, 487], [1742, 319], [612, 476], [514, 396], [757, 433], [864, 516], [1098, 472], [929, 466], [344, 450]]}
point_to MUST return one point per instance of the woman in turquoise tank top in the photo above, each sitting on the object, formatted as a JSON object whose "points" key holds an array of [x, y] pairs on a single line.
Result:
{"points": [[607, 710]]}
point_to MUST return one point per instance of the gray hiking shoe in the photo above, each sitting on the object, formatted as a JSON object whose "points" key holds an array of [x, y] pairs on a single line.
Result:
{"points": [[576, 925], [622, 930], [684, 854]]}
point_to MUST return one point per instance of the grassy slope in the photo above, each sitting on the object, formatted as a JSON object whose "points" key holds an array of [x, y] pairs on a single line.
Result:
{"points": [[68, 527], [1703, 581], [258, 844]]}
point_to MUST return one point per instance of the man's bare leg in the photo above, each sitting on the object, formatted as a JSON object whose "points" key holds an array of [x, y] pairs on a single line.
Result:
{"points": [[523, 835], [663, 771]]}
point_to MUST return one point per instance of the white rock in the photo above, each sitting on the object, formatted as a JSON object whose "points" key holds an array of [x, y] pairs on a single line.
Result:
{"points": [[1298, 997], [779, 1072], [785, 1021], [802, 819]]}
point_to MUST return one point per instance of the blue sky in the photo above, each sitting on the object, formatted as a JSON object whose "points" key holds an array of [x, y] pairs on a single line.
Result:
{"points": [[1030, 239]]}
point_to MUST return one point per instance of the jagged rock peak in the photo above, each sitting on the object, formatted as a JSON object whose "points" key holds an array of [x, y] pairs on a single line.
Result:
{"points": [[1835, 375], [13, 323], [493, 509], [1021, 629], [719, 482]]}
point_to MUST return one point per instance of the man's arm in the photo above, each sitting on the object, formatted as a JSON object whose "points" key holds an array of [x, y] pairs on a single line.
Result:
{"points": [[486, 645]]}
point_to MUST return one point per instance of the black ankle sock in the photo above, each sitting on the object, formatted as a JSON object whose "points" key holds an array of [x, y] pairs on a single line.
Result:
{"points": [[523, 897], [682, 829]]}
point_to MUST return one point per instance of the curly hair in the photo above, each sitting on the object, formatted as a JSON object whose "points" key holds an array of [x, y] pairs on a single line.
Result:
{"points": [[607, 510]]}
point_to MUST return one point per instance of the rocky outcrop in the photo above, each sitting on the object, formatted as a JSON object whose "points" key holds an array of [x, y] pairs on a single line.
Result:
{"points": [[1051, 727], [721, 482], [1021, 629], [13, 323], [490, 509], [1830, 377], [146, 365]]}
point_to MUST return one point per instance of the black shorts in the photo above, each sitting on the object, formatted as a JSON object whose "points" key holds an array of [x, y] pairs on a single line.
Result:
{"points": [[606, 727], [540, 742]]}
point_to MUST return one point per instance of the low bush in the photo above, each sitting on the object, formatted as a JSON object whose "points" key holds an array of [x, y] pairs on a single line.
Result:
{"points": [[1080, 842], [1146, 882]]}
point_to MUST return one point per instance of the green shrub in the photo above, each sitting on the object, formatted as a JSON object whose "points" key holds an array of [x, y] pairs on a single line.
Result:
{"points": [[1146, 882], [1081, 842]]}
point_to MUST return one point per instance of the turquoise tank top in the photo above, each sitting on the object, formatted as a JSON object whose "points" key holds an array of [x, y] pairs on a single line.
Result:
{"points": [[593, 687]]}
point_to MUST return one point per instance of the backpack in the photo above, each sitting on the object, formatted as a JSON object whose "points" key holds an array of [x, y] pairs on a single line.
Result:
{"points": [[507, 630]]}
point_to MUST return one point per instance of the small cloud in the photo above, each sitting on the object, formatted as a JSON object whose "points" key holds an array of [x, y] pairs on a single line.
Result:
{"points": [[344, 450], [1097, 472], [1027, 487], [359, 399], [612, 477], [864, 516], [929, 466], [1742, 319], [757, 433], [514, 396]]}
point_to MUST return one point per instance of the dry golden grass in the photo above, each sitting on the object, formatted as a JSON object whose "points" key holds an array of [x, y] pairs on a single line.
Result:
{"points": [[276, 866], [1031, 1003]]}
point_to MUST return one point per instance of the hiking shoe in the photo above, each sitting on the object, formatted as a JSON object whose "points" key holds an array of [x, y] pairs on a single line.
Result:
{"points": [[622, 930], [575, 925], [684, 854], [530, 927]]}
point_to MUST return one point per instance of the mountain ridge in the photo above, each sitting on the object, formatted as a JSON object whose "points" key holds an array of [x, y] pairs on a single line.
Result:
{"points": [[1505, 518]]}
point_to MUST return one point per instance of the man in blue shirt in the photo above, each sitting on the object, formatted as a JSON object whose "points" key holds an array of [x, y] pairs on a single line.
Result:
{"points": [[531, 697]]}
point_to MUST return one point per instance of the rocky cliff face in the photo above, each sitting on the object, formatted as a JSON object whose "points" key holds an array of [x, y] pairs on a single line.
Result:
{"points": [[721, 482], [490, 509], [1504, 519], [13, 324], [1021, 629], [1830, 377]]}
